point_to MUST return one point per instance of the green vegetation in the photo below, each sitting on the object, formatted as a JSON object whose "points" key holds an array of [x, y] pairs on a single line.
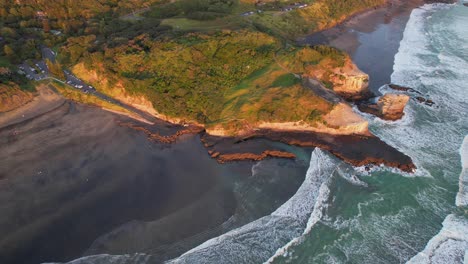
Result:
{"points": [[12, 96], [229, 78], [193, 59], [194, 9], [261, 98], [78, 96], [318, 15], [185, 77], [286, 80], [55, 69], [10, 77]]}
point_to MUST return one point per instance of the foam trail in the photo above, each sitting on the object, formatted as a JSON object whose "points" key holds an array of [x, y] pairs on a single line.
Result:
{"points": [[429, 62], [260, 239], [462, 196], [317, 213], [448, 246], [110, 259]]}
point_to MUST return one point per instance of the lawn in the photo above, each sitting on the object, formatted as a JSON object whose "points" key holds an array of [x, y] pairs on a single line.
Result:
{"points": [[185, 24]]}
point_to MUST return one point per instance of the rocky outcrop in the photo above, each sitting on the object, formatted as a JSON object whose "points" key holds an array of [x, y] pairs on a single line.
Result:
{"points": [[341, 120], [420, 99], [357, 150], [347, 81], [403, 88], [170, 134], [387, 107], [425, 101], [223, 158], [352, 85]]}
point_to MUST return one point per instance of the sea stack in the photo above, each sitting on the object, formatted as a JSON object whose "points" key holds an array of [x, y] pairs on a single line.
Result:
{"points": [[388, 107]]}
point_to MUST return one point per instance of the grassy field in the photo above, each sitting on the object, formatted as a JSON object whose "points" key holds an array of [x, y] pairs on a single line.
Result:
{"points": [[185, 24], [271, 94]]}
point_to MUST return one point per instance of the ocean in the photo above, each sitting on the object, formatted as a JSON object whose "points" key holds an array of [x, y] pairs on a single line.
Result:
{"points": [[342, 214]]}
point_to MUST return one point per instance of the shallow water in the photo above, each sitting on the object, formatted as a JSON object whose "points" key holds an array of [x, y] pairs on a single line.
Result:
{"points": [[341, 214], [385, 216], [74, 176], [394, 218]]}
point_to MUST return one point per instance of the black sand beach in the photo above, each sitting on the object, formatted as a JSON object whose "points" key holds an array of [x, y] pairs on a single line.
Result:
{"points": [[74, 175], [371, 38]]}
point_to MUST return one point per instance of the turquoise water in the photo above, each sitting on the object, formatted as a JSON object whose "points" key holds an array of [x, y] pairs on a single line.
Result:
{"points": [[394, 218], [345, 215], [342, 214]]}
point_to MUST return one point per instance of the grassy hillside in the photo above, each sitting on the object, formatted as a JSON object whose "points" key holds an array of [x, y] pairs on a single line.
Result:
{"points": [[230, 78], [208, 15], [318, 15], [12, 96]]}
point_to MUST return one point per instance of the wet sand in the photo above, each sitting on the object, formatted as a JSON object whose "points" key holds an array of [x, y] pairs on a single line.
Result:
{"points": [[74, 182], [74, 174], [45, 101]]}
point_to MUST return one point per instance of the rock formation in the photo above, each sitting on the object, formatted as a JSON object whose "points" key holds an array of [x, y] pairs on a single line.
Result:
{"points": [[387, 107], [350, 82]]}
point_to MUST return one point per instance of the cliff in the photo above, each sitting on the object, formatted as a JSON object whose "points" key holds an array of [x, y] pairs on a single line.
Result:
{"points": [[388, 107], [348, 81], [340, 121], [271, 97]]}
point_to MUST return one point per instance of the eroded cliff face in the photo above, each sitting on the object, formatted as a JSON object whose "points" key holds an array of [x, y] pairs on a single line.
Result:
{"points": [[341, 120], [118, 92], [12, 97], [351, 85], [388, 107], [347, 81], [392, 106]]}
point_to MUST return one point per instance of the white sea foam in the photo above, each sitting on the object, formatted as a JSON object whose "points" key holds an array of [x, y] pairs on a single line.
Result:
{"points": [[448, 246], [258, 240], [428, 133], [112, 259], [462, 196], [438, 68]]}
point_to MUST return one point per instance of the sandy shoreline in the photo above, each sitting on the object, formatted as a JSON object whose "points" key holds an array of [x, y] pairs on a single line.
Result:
{"points": [[77, 162], [45, 101], [343, 36], [81, 164]]}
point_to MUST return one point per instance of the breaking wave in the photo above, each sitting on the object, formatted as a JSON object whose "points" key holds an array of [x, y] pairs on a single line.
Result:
{"points": [[462, 196], [259, 240]]}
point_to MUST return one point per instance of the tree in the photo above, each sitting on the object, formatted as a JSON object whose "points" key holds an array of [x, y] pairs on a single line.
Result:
{"points": [[55, 69], [9, 52]]}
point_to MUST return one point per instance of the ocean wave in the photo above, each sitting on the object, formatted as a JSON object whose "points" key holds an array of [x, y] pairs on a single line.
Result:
{"points": [[428, 133], [462, 196], [448, 246], [111, 259], [271, 235]]}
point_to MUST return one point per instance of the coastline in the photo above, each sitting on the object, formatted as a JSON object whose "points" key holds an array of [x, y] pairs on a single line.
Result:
{"points": [[168, 131], [45, 101], [101, 172]]}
